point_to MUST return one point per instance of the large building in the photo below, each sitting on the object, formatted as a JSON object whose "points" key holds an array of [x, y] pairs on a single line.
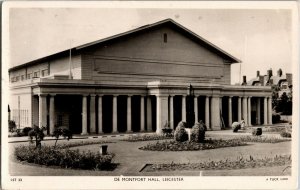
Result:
{"points": [[135, 81]]}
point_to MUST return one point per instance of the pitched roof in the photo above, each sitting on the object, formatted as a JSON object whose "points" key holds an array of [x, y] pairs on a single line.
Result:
{"points": [[188, 32]]}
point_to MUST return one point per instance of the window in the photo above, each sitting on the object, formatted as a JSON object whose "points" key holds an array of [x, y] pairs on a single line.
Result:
{"points": [[35, 74], [22, 77], [165, 38], [12, 79], [59, 120], [17, 78], [29, 76], [44, 72]]}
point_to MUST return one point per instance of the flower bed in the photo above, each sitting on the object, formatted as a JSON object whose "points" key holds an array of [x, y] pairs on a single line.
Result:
{"points": [[260, 139], [146, 138], [191, 146], [239, 163], [65, 158]]}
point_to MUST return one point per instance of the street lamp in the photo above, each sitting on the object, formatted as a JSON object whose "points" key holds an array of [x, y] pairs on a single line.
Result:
{"points": [[190, 118]]}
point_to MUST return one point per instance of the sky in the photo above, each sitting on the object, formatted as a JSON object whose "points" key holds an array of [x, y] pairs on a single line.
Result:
{"points": [[260, 38]]}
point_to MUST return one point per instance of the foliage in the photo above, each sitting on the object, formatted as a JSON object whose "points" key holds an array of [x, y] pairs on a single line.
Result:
{"points": [[284, 104], [275, 118], [167, 131], [225, 164], [180, 132], [26, 130], [191, 146], [257, 132], [261, 139], [65, 158], [37, 134], [62, 131], [286, 134], [198, 132], [236, 126], [11, 126], [146, 138]]}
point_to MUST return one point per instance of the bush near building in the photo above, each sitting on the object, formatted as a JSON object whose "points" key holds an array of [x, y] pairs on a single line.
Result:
{"points": [[198, 133], [65, 158], [180, 133]]}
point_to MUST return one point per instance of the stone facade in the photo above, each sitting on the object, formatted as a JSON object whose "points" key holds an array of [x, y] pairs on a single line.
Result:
{"points": [[135, 81]]}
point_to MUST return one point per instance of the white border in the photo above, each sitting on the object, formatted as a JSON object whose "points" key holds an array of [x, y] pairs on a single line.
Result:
{"points": [[90, 182]]}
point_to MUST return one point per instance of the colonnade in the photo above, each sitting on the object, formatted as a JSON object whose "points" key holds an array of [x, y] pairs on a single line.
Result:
{"points": [[164, 111]]}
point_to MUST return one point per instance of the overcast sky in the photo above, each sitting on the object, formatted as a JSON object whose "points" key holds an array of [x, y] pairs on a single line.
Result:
{"points": [[260, 38]]}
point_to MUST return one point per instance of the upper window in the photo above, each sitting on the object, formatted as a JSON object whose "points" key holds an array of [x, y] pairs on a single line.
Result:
{"points": [[165, 38], [22, 77], [36, 74], [44, 72]]}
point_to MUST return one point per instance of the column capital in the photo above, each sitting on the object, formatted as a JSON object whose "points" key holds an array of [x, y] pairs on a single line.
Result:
{"points": [[129, 95], [43, 95], [230, 96], [115, 95], [184, 95], [171, 95], [142, 95], [196, 95], [249, 96], [84, 95], [216, 96], [92, 95], [100, 95], [52, 95]]}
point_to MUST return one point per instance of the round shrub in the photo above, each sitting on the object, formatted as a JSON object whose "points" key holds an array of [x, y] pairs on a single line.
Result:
{"points": [[285, 134], [25, 130], [198, 133], [180, 132], [236, 126], [276, 118], [257, 132], [11, 126]]}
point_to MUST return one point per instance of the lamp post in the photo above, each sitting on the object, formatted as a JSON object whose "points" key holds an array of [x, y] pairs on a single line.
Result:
{"points": [[190, 119]]}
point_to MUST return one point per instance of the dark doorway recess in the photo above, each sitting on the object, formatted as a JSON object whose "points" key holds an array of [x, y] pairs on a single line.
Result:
{"points": [[107, 113]]}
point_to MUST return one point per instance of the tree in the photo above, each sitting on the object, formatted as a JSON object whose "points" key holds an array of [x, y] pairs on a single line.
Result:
{"points": [[284, 104], [62, 131], [37, 134]]}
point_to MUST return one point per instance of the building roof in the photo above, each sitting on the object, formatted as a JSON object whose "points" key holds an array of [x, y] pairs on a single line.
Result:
{"points": [[177, 26]]}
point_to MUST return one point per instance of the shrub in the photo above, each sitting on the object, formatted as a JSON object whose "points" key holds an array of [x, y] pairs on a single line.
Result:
{"points": [[167, 131], [62, 131], [198, 133], [11, 126], [146, 138], [37, 134], [64, 158], [180, 132], [257, 132], [26, 130], [275, 118], [236, 126], [285, 134], [261, 139]]}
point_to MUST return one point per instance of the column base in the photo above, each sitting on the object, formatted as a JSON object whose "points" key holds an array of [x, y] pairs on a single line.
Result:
{"points": [[84, 133]]}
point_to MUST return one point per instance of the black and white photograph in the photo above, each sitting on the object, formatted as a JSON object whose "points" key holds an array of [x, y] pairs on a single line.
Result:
{"points": [[150, 95]]}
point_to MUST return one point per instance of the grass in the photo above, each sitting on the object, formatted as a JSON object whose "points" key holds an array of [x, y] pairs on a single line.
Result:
{"points": [[239, 163]]}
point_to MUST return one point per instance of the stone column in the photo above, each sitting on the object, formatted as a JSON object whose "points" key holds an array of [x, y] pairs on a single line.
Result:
{"points": [[43, 110], [115, 114], [183, 111], [196, 108], [215, 113], [207, 123], [93, 113], [142, 114], [149, 114], [245, 110], [229, 111], [249, 111], [52, 114], [129, 129], [161, 112], [265, 111], [239, 109], [84, 115], [171, 112], [100, 115], [258, 111], [270, 110]]}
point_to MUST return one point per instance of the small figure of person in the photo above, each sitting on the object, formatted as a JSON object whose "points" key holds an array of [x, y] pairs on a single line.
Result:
{"points": [[242, 124]]}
